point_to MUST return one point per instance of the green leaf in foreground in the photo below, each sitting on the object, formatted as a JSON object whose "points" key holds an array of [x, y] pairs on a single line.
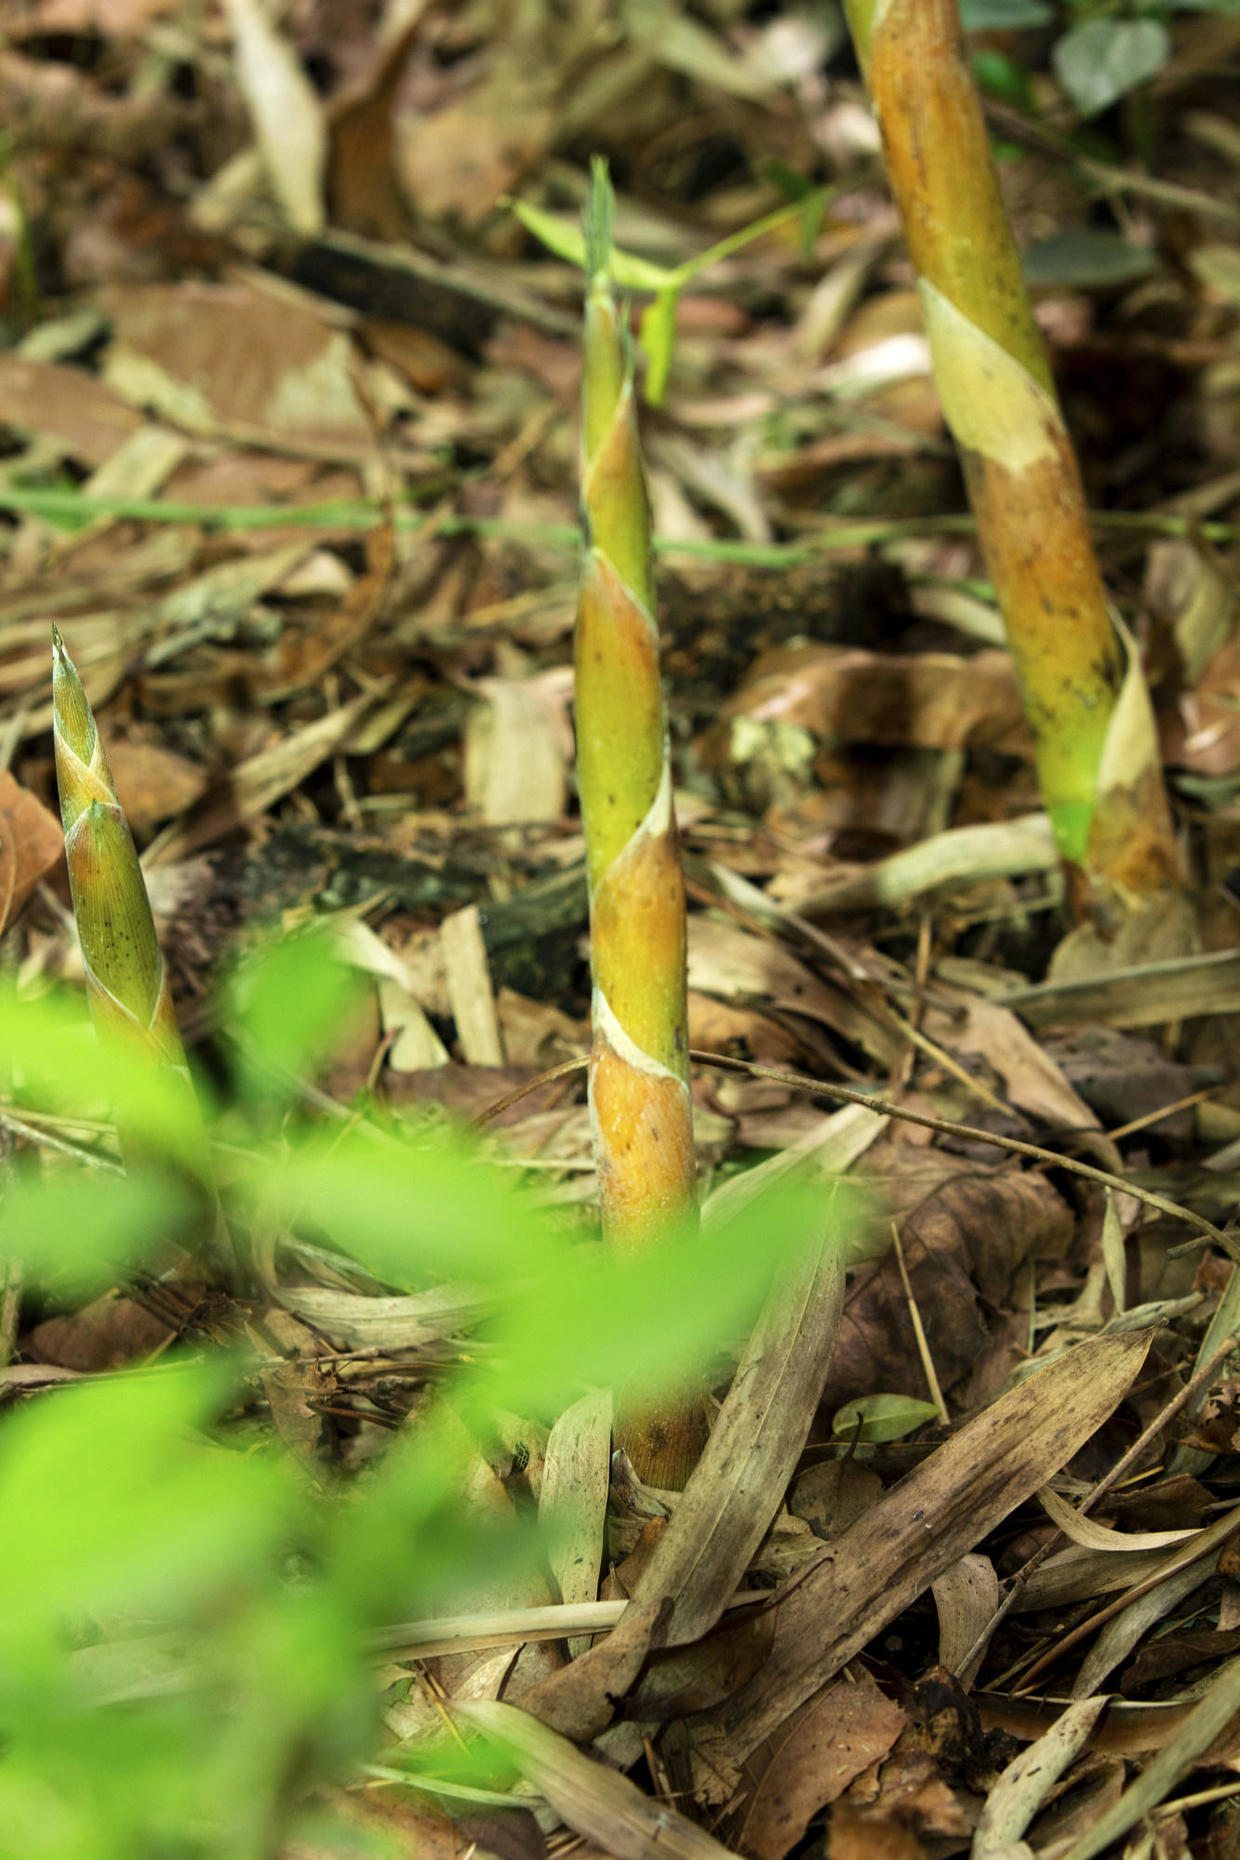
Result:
{"points": [[652, 1320], [51, 1060], [121, 1507], [78, 1227], [409, 1213], [292, 1000]]}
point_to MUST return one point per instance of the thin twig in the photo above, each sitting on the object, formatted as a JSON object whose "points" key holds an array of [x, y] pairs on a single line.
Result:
{"points": [[945, 1125], [948, 1127]]}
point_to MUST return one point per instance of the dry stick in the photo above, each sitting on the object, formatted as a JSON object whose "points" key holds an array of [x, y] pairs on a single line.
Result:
{"points": [[923, 1343], [949, 1127], [1112, 1478]]}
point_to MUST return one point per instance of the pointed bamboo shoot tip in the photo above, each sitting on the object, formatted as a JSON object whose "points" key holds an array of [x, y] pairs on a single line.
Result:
{"points": [[600, 213]]}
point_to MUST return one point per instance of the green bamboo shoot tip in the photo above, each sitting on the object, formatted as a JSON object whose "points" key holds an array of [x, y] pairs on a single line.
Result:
{"points": [[600, 216], [74, 722]]}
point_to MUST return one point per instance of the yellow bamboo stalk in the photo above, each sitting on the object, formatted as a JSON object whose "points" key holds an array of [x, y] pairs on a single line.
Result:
{"points": [[639, 1068], [1096, 748]]}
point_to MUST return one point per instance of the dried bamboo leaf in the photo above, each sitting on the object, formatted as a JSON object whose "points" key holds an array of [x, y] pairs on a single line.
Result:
{"points": [[1093, 1536], [591, 1799], [966, 1596], [1127, 1629], [572, 1505], [1208, 1719], [1028, 1779], [730, 1498], [932, 1518]]}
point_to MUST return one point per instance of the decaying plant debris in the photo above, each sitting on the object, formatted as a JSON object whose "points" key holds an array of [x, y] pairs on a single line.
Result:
{"points": [[288, 399]]}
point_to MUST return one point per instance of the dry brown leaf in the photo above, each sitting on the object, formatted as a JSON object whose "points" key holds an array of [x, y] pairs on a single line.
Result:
{"points": [[153, 782], [675, 1682], [67, 404], [105, 1334], [455, 162], [833, 1494], [963, 1246], [31, 842], [1034, 1082], [910, 1799], [824, 1746], [723, 1027], [936, 1515], [517, 749], [966, 1597], [729, 1501], [930, 700], [361, 176], [176, 346], [734, 963]]}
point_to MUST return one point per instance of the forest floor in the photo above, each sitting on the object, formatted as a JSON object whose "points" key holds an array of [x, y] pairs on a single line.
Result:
{"points": [[288, 452]]}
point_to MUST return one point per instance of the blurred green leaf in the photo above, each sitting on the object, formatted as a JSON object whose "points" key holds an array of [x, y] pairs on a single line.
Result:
{"points": [[292, 1000], [653, 1320], [875, 1418], [50, 1059], [1003, 77], [1102, 59], [410, 1213], [1218, 268], [566, 239], [80, 1226], [1085, 258], [1004, 15], [122, 1508], [658, 337]]}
